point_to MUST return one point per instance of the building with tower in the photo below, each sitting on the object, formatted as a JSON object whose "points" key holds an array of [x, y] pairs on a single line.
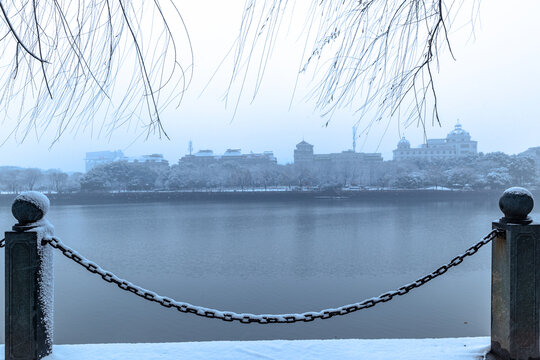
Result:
{"points": [[358, 168], [457, 144], [304, 155]]}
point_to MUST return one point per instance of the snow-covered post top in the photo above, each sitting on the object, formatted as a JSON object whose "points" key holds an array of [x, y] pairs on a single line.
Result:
{"points": [[515, 285], [29, 280], [516, 203], [29, 208]]}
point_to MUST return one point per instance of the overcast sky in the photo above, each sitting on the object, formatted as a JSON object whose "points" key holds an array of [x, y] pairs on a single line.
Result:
{"points": [[493, 88]]}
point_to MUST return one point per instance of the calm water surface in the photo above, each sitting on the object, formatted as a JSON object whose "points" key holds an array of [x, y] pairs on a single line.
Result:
{"points": [[270, 258]]}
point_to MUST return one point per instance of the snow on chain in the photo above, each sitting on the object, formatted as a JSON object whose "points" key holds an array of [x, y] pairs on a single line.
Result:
{"points": [[259, 318]]}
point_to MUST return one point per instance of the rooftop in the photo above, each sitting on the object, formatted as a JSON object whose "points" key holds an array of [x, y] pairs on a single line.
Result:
{"points": [[204, 153], [233, 152]]}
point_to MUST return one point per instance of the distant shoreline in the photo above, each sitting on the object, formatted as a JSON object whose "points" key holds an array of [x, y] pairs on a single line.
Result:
{"points": [[240, 196]]}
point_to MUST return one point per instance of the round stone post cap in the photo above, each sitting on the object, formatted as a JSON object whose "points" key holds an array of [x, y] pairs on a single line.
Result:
{"points": [[516, 203], [29, 207]]}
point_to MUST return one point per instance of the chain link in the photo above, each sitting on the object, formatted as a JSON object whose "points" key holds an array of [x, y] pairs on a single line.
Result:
{"points": [[2, 243], [264, 318]]}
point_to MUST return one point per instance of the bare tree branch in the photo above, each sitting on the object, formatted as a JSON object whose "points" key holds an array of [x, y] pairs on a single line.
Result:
{"points": [[375, 55], [14, 33], [90, 65]]}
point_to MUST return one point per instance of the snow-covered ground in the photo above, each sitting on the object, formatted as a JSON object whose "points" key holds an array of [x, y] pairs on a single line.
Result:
{"points": [[404, 349]]}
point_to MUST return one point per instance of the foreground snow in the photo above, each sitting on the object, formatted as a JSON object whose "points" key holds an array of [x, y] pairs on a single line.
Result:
{"points": [[405, 349]]}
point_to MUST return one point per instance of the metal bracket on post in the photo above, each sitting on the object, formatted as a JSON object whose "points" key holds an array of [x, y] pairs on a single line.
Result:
{"points": [[29, 281], [515, 284]]}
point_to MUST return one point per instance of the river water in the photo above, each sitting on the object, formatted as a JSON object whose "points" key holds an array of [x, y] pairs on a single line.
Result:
{"points": [[271, 257]]}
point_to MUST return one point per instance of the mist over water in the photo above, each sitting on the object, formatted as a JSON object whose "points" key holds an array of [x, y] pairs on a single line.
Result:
{"points": [[271, 258]]}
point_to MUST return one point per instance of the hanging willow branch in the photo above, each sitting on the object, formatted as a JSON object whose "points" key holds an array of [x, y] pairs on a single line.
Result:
{"points": [[61, 61], [379, 56]]}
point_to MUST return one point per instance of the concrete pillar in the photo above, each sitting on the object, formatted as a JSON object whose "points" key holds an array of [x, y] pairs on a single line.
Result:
{"points": [[29, 281], [515, 286]]}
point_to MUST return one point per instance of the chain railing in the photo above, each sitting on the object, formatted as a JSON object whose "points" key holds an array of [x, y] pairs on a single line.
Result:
{"points": [[247, 318]]}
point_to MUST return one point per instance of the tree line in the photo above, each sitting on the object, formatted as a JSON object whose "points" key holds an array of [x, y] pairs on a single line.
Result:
{"points": [[15, 179], [484, 171], [495, 170]]}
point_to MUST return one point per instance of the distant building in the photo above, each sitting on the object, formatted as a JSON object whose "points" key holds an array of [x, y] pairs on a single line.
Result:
{"points": [[303, 154], [153, 159], [206, 157], [362, 167], [96, 158], [457, 144]]}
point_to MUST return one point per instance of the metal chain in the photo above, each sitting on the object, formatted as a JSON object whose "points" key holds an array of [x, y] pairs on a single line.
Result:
{"points": [[263, 318], [2, 243]]}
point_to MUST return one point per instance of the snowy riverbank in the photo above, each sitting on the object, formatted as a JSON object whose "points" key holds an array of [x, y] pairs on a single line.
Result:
{"points": [[404, 349]]}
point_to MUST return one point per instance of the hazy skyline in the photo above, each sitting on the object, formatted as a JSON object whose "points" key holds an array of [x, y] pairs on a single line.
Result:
{"points": [[493, 88]]}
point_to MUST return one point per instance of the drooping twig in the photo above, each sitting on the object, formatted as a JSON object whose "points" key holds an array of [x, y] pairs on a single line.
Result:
{"points": [[374, 55], [85, 65]]}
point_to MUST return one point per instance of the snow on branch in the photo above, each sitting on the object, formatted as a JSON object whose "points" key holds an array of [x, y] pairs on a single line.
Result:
{"points": [[88, 65], [378, 56]]}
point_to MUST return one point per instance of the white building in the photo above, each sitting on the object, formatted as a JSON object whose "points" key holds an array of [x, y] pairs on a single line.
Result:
{"points": [[96, 158], [457, 143]]}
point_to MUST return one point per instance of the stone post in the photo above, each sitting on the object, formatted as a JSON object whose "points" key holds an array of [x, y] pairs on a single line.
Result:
{"points": [[515, 284], [29, 281]]}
